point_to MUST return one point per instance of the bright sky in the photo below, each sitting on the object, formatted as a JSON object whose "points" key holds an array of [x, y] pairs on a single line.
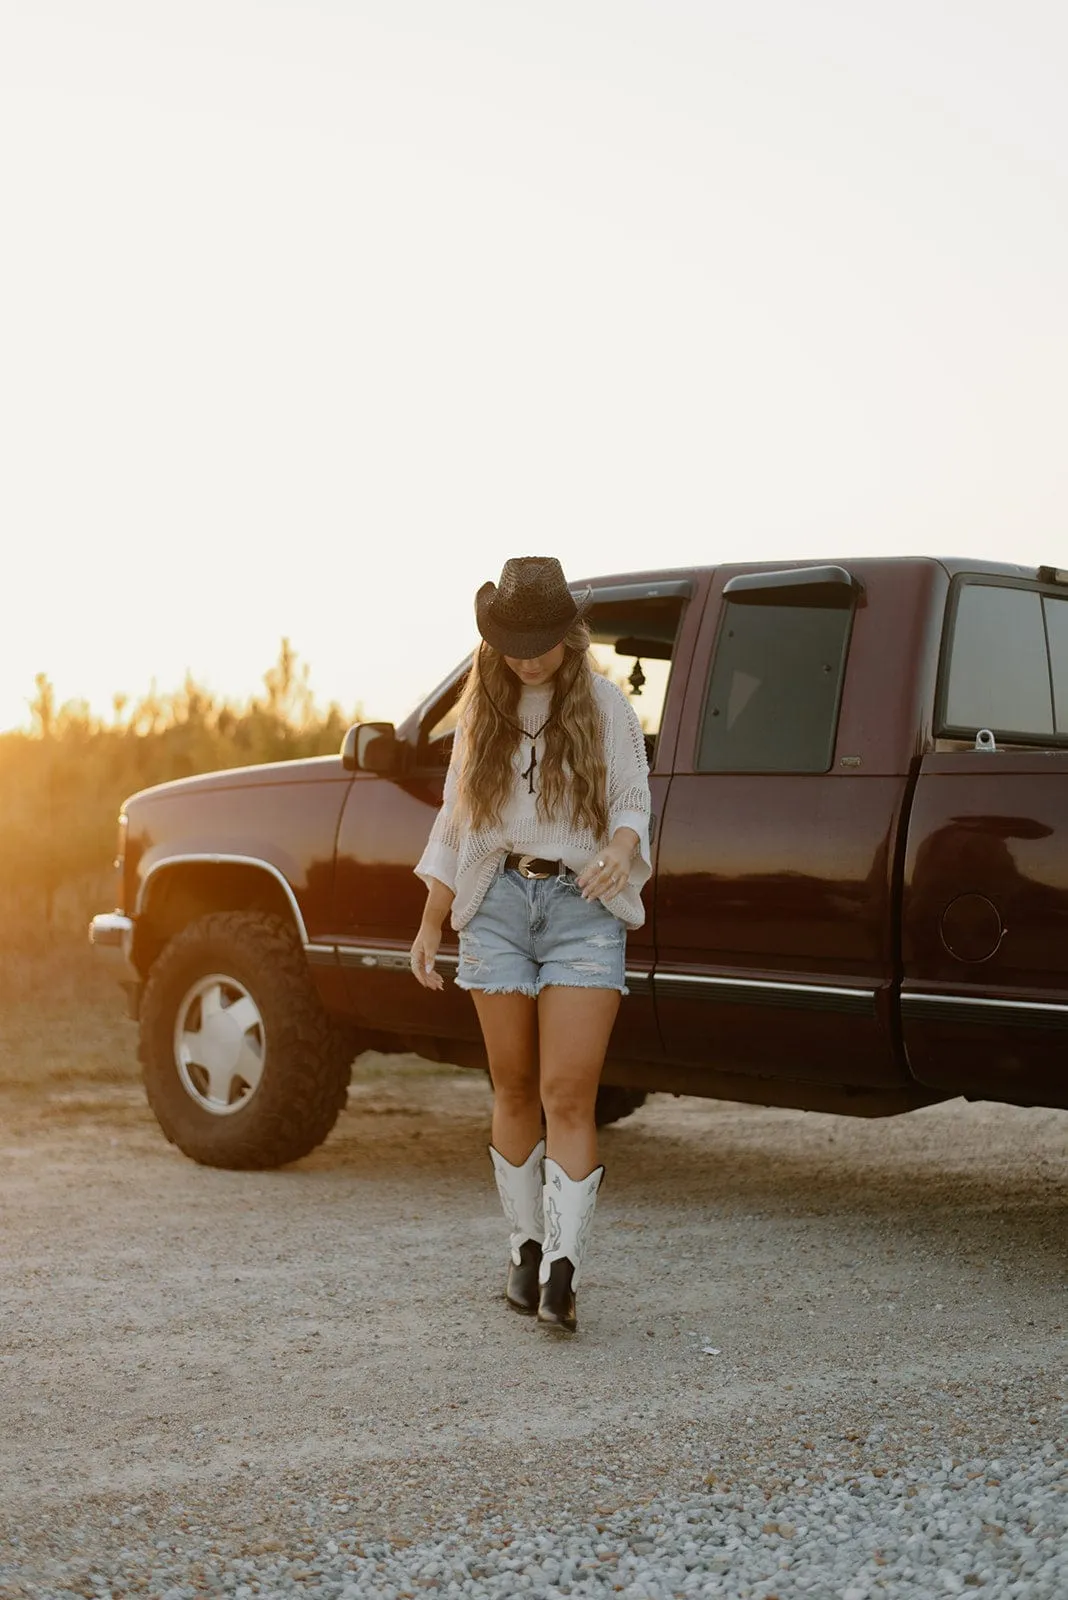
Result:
{"points": [[314, 312]]}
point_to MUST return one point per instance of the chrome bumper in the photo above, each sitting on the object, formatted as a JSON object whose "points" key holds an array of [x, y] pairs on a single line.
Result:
{"points": [[112, 935]]}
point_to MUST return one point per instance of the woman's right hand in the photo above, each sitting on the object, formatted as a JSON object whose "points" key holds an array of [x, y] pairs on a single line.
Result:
{"points": [[424, 952]]}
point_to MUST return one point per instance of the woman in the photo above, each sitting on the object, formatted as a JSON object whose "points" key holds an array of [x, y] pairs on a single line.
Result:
{"points": [[540, 851]]}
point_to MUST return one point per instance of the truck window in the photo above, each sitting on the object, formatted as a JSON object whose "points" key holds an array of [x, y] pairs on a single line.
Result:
{"points": [[435, 736], [1057, 633], [633, 642], [776, 681], [642, 679], [999, 667]]}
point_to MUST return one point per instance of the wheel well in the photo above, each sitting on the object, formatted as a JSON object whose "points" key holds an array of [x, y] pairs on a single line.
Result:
{"points": [[176, 896]]}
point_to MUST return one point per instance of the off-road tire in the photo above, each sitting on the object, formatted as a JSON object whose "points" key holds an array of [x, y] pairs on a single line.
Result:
{"points": [[614, 1103], [307, 1059]]}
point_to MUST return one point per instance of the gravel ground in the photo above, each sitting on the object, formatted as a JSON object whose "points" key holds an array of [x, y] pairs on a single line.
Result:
{"points": [[816, 1356]]}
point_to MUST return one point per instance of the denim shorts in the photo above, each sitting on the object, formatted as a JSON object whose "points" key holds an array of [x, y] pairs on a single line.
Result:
{"points": [[529, 933]]}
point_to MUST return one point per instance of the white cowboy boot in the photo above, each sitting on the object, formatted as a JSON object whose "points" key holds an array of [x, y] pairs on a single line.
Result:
{"points": [[520, 1192], [568, 1210]]}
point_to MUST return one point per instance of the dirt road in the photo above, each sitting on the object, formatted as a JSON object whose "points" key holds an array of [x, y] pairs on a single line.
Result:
{"points": [[767, 1289]]}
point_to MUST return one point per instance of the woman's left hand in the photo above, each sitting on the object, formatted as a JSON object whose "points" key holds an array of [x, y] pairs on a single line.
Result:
{"points": [[607, 875]]}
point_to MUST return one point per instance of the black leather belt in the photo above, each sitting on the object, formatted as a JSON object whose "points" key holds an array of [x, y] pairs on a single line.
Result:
{"points": [[534, 866]]}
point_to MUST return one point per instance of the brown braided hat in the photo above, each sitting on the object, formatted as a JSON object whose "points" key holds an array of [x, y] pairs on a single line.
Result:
{"points": [[528, 613]]}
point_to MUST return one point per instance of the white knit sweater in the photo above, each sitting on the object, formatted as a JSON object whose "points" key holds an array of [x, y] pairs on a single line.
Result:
{"points": [[466, 861]]}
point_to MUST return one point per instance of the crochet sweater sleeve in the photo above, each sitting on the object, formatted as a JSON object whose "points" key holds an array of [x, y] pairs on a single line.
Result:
{"points": [[628, 782], [439, 859]]}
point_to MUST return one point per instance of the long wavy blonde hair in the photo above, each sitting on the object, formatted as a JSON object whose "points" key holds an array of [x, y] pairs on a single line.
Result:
{"points": [[572, 771]]}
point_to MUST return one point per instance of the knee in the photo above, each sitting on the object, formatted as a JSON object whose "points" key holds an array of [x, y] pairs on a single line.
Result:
{"points": [[515, 1091], [568, 1104]]}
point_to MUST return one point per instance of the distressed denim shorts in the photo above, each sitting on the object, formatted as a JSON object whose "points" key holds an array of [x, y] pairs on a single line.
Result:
{"points": [[529, 933]]}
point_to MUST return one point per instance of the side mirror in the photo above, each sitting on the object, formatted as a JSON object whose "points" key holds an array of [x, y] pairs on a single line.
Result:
{"points": [[371, 747]]}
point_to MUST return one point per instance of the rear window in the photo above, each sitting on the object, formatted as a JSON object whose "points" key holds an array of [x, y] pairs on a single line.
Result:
{"points": [[1008, 663], [775, 685]]}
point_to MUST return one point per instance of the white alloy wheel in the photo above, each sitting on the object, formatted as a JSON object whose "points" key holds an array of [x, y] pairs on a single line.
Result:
{"points": [[219, 1044], [242, 1064]]}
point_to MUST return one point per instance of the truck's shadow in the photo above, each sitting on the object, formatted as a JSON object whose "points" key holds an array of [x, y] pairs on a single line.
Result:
{"points": [[969, 1184]]}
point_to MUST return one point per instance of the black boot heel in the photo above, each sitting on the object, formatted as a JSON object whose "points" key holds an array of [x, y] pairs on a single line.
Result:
{"points": [[556, 1306], [522, 1289]]}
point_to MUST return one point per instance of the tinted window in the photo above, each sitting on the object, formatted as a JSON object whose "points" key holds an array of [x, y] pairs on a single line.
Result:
{"points": [[773, 699], [999, 668], [1057, 629]]}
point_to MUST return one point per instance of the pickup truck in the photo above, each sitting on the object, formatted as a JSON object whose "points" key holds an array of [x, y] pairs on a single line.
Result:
{"points": [[859, 901]]}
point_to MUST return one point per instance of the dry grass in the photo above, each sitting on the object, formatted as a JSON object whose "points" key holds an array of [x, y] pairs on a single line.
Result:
{"points": [[62, 1019]]}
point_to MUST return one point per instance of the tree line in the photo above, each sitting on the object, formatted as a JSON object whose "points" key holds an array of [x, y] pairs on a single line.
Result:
{"points": [[62, 783]]}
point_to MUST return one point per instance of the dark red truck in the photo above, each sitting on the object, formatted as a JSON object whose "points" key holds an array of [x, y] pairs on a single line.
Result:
{"points": [[859, 903]]}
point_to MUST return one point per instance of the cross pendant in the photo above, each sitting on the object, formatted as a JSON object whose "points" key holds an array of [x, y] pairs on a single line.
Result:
{"points": [[528, 774]]}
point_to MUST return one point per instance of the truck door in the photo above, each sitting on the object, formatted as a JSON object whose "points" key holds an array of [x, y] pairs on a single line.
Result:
{"points": [[774, 901], [985, 915], [378, 900]]}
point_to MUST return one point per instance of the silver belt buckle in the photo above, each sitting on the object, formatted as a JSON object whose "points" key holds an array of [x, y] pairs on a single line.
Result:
{"points": [[523, 867]]}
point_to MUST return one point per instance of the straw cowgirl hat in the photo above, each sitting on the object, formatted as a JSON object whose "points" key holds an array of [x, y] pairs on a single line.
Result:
{"points": [[528, 613]]}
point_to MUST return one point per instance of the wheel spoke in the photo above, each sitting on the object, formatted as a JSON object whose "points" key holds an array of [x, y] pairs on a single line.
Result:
{"points": [[210, 1002], [193, 1051], [197, 1046], [249, 1065], [220, 1081], [245, 1013]]}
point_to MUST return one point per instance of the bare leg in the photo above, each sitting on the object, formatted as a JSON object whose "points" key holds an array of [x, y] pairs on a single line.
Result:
{"points": [[574, 1027], [509, 1025]]}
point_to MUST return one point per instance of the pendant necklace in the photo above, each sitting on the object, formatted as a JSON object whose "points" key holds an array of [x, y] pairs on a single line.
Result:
{"points": [[528, 771]]}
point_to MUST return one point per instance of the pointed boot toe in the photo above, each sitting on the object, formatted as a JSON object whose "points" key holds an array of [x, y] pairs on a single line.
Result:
{"points": [[522, 1288], [556, 1305]]}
